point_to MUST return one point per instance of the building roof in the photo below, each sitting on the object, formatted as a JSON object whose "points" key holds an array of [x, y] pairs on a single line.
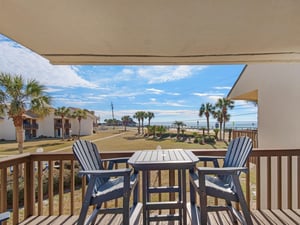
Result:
{"points": [[155, 32]]}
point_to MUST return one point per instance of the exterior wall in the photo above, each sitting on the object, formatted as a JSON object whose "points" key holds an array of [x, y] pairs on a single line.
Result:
{"points": [[46, 125], [278, 97], [86, 125], [278, 88], [7, 129]]}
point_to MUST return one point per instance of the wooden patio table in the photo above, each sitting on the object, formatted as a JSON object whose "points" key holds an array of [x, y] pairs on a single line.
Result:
{"points": [[175, 159]]}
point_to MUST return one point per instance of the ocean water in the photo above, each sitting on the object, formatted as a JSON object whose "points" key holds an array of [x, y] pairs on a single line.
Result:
{"points": [[199, 125]]}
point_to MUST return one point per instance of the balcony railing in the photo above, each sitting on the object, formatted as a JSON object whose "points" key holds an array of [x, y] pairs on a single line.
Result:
{"points": [[28, 180], [31, 126], [59, 125]]}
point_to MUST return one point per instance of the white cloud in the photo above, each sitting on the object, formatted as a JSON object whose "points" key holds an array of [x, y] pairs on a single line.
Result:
{"points": [[223, 88], [155, 91], [208, 94], [19, 60], [162, 74]]}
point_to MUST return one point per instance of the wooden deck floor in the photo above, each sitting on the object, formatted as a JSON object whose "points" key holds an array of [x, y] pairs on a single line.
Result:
{"points": [[262, 217]]}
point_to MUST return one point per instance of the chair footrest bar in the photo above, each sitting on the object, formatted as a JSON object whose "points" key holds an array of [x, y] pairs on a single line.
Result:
{"points": [[163, 189], [169, 217], [163, 205]]}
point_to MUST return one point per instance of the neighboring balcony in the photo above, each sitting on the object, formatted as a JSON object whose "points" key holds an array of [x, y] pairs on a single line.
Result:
{"points": [[30, 126], [59, 125], [53, 191]]}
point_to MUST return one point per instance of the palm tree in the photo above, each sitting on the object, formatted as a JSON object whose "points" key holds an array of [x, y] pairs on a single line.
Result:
{"points": [[179, 125], [160, 129], [219, 116], [125, 120], [18, 97], [150, 116], [62, 112], [143, 117], [2, 102], [206, 109], [138, 115], [79, 114], [224, 104]]}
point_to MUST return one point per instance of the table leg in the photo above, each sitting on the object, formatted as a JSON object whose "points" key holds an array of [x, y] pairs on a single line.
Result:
{"points": [[180, 194], [144, 194], [183, 189]]}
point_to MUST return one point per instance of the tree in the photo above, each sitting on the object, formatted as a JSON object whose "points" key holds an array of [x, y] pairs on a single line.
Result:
{"points": [[160, 129], [62, 112], [143, 117], [79, 114], [224, 104], [2, 102], [150, 116], [137, 116], [219, 116], [140, 116], [19, 96], [179, 125], [206, 109], [125, 121]]}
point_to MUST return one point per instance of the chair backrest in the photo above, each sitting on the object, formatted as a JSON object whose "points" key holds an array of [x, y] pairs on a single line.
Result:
{"points": [[238, 152], [88, 157]]}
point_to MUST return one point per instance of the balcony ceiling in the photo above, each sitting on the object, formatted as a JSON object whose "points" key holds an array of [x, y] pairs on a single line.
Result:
{"points": [[155, 32]]}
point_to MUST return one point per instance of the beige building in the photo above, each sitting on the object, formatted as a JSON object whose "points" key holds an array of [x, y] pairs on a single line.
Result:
{"points": [[48, 126]]}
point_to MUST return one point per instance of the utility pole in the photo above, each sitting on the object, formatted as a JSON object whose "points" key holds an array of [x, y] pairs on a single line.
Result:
{"points": [[112, 113]]}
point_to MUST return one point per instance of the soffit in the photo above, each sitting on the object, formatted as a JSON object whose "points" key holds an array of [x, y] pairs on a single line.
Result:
{"points": [[155, 32]]}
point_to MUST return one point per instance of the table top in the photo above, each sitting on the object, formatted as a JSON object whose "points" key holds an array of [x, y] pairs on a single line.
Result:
{"points": [[163, 159]]}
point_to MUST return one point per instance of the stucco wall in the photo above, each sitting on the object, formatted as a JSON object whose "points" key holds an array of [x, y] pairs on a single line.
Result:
{"points": [[46, 125], [278, 88], [7, 129]]}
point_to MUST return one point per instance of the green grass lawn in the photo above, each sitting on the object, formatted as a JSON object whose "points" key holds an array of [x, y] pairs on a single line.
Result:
{"points": [[106, 140]]}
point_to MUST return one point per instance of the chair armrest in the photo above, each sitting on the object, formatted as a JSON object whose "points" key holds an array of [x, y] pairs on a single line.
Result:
{"points": [[117, 160], [213, 159], [113, 161], [107, 173], [210, 158], [221, 171]]}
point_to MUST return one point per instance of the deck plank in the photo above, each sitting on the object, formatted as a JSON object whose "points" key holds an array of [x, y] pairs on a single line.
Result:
{"points": [[259, 217]]}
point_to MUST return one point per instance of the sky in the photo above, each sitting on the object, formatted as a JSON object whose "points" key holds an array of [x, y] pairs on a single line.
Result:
{"points": [[172, 93]]}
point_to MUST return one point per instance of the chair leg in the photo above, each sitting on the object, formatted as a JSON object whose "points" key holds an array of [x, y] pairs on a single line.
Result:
{"points": [[242, 201], [96, 210], [126, 198], [126, 210], [229, 206], [136, 194], [203, 200], [86, 201]]}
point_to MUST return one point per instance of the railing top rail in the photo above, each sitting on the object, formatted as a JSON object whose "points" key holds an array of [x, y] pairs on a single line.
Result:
{"points": [[45, 156]]}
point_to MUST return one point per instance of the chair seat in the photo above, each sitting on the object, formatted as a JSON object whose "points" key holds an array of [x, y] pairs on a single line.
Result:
{"points": [[216, 187], [114, 185]]}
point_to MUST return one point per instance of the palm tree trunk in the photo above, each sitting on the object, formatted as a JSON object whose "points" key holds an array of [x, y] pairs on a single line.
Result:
{"points": [[207, 121], [79, 129], [224, 130], [20, 138], [220, 130]]}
